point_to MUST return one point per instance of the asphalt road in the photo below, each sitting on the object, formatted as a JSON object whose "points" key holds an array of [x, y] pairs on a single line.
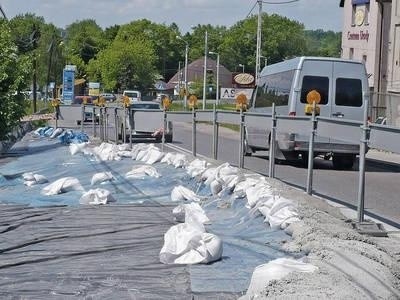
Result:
{"points": [[382, 191]]}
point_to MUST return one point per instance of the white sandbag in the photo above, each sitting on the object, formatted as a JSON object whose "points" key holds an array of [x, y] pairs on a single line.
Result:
{"points": [[142, 171], [196, 167], [185, 244], [124, 147], [153, 155], [168, 158], [241, 187], [215, 187], [56, 133], [62, 185], [96, 197], [181, 193], [33, 179], [101, 177], [189, 213], [139, 147], [106, 152], [76, 148], [274, 270], [208, 175], [180, 160], [282, 213], [125, 153], [258, 193]]}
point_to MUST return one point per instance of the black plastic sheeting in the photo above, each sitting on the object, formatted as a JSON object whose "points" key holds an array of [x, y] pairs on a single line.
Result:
{"points": [[112, 251]]}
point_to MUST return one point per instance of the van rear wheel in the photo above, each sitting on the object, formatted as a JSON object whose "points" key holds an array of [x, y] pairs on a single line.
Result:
{"points": [[343, 161]]}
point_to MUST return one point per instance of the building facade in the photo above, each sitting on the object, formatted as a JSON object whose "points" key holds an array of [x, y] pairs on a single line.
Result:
{"points": [[365, 37]]}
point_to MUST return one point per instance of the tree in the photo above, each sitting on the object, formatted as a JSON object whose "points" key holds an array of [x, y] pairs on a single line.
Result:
{"points": [[127, 65], [323, 43], [84, 39], [14, 71]]}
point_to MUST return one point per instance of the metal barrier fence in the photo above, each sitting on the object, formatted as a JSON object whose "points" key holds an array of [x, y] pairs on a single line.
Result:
{"points": [[385, 105], [362, 133]]}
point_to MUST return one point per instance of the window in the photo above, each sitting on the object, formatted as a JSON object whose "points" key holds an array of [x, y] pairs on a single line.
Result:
{"points": [[351, 53], [353, 15], [318, 83], [366, 17], [348, 92], [275, 88], [364, 59]]}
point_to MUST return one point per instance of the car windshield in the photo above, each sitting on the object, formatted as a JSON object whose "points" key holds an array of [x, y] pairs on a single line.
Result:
{"points": [[131, 94], [145, 106]]}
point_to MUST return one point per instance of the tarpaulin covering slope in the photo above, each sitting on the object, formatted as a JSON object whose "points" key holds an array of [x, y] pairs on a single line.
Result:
{"points": [[73, 239]]}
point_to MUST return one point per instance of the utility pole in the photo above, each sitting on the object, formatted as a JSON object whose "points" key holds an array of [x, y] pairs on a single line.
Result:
{"points": [[258, 50], [205, 70]]}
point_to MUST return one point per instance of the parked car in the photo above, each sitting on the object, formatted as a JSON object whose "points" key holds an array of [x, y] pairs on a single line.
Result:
{"points": [[148, 134], [109, 97], [81, 98]]}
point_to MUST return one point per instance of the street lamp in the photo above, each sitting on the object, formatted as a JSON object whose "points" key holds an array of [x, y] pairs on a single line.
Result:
{"points": [[205, 70], [217, 94], [186, 70], [241, 65]]}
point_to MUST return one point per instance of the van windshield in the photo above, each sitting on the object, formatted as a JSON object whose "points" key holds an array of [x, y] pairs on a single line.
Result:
{"points": [[274, 88]]}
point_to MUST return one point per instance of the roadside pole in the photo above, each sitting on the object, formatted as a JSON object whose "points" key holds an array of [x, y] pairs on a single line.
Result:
{"points": [[361, 179], [215, 133], [241, 156], [311, 151], [271, 171], [193, 131], [116, 125], [94, 121]]}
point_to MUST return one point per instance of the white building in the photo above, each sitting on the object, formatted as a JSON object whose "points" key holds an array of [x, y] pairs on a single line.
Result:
{"points": [[365, 37]]}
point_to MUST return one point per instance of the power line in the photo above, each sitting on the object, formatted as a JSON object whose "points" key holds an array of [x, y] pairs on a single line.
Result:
{"points": [[3, 13]]}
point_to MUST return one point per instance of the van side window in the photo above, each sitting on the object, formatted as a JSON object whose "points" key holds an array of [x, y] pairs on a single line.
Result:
{"points": [[275, 89], [348, 92], [318, 83]]}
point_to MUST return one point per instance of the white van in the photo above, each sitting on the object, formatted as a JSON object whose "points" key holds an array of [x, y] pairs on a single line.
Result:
{"points": [[132, 95], [341, 84]]}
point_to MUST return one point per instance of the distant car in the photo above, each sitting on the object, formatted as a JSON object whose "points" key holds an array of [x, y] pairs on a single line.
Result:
{"points": [[132, 95], [153, 135], [84, 98], [381, 121], [109, 97]]}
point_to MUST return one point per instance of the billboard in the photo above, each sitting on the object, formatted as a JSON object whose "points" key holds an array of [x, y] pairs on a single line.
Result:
{"points": [[94, 88], [68, 86], [232, 93]]}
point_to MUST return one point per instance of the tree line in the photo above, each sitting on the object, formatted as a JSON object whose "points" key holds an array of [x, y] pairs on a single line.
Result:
{"points": [[136, 54]]}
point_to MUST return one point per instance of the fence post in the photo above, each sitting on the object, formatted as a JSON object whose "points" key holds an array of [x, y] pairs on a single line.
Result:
{"points": [[101, 125], [215, 133], [361, 179], [130, 127], [271, 172], [116, 125], [193, 131], [106, 124], [94, 121], [311, 152], [124, 127], [82, 117], [241, 132], [164, 128]]}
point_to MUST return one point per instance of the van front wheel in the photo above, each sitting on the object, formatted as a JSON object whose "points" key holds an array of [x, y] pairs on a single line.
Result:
{"points": [[343, 161]]}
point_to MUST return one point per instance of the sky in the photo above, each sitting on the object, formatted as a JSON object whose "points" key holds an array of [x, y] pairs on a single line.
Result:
{"points": [[314, 14]]}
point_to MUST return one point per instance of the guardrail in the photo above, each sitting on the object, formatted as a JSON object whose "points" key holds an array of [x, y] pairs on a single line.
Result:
{"points": [[355, 132]]}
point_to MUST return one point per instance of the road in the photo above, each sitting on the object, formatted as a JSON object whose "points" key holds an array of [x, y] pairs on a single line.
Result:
{"points": [[382, 179]]}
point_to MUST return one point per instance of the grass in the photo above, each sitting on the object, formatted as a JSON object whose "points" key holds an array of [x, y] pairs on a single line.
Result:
{"points": [[41, 106]]}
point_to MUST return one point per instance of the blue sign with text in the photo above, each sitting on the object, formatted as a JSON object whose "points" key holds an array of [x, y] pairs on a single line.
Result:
{"points": [[355, 2], [68, 86]]}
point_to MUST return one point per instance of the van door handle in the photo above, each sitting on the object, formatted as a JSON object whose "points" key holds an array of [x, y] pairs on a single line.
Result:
{"points": [[338, 115]]}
